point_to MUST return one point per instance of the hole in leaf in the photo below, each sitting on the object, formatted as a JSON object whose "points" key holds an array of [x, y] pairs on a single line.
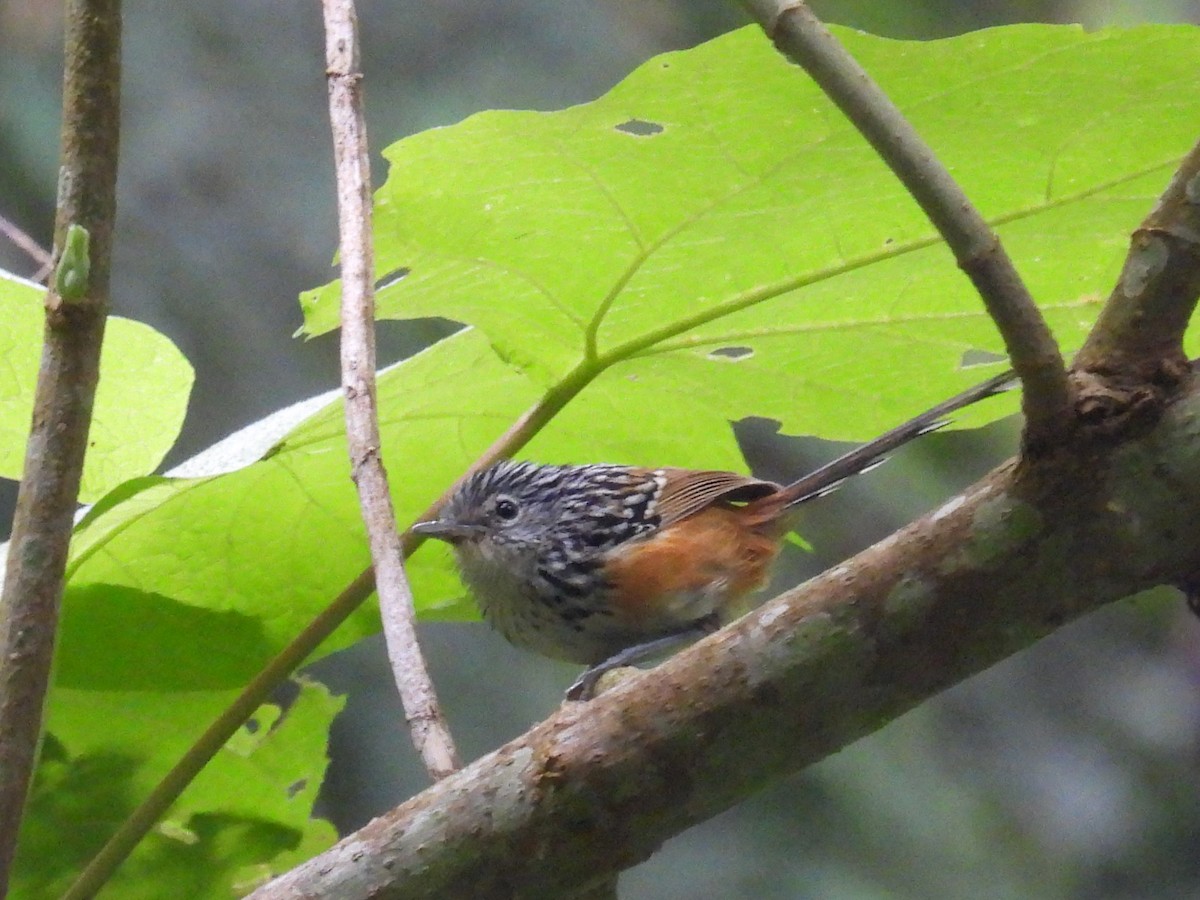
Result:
{"points": [[732, 353], [296, 787], [392, 277], [639, 128], [975, 357]]}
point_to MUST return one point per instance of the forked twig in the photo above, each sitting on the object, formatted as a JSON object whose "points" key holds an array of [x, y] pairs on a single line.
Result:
{"points": [[1031, 347]]}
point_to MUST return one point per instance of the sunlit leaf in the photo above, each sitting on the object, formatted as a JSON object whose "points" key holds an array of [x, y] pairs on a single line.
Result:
{"points": [[140, 400]]}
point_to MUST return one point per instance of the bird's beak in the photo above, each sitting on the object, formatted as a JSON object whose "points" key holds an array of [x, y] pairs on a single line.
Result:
{"points": [[446, 530]]}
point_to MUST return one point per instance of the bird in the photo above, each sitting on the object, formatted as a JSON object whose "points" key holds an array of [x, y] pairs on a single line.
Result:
{"points": [[610, 565]]}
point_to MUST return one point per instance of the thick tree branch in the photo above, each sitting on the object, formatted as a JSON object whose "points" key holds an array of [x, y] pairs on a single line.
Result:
{"points": [[1138, 338], [1035, 356], [430, 734], [63, 400], [599, 786]]}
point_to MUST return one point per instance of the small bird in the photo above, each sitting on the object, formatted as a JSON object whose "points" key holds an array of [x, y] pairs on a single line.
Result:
{"points": [[610, 565]]}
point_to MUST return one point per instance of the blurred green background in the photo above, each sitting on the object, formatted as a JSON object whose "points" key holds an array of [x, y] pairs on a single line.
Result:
{"points": [[1069, 771]]}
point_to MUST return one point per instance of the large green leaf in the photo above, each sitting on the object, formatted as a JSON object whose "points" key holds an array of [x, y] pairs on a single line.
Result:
{"points": [[753, 216], [179, 590], [708, 241], [140, 370], [260, 550]]}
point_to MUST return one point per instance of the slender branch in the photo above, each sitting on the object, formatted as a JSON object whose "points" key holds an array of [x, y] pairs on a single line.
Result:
{"points": [[136, 825], [599, 786], [430, 734], [63, 399], [1034, 354], [1139, 335], [22, 241]]}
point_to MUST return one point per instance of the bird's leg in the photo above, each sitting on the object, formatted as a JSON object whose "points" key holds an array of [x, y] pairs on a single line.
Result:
{"points": [[584, 687]]}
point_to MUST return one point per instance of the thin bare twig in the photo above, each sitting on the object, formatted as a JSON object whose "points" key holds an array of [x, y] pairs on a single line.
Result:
{"points": [[22, 241], [65, 391], [1031, 346], [430, 734]]}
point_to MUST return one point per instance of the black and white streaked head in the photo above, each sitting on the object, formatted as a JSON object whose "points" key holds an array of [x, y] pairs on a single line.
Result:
{"points": [[531, 540]]}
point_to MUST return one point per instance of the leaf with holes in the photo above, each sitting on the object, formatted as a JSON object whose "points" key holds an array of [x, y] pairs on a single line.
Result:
{"points": [[712, 240]]}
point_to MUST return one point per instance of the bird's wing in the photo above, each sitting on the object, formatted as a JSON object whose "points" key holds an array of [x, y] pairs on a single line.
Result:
{"points": [[688, 491]]}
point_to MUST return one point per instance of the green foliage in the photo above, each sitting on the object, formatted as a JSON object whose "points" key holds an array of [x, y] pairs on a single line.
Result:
{"points": [[706, 242], [755, 217], [140, 370], [246, 817]]}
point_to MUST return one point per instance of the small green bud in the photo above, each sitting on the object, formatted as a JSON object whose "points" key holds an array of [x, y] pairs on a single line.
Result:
{"points": [[75, 264]]}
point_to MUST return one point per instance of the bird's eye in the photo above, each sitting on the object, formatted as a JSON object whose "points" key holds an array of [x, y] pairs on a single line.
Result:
{"points": [[507, 508]]}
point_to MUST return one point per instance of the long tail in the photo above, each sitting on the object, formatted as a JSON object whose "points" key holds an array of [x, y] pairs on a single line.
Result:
{"points": [[862, 459]]}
